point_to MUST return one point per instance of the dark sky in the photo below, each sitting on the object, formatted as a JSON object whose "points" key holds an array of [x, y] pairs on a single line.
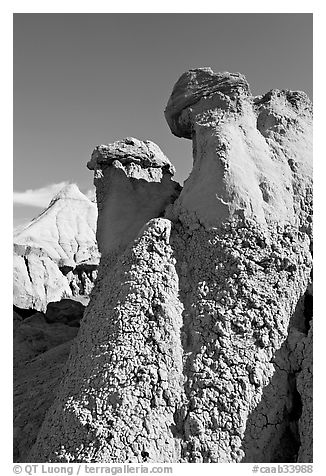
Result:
{"points": [[86, 79]]}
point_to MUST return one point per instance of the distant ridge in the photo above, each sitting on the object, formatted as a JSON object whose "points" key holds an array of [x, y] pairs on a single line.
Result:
{"points": [[56, 255]]}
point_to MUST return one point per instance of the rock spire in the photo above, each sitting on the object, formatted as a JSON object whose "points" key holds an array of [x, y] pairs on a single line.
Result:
{"points": [[196, 345]]}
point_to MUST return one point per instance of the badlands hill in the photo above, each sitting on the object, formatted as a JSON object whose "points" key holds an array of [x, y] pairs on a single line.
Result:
{"points": [[56, 255], [196, 345]]}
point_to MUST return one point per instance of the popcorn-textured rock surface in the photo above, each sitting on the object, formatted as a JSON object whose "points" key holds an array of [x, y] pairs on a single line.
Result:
{"points": [[119, 402], [134, 183], [242, 240], [196, 345], [196, 84], [305, 389], [56, 254]]}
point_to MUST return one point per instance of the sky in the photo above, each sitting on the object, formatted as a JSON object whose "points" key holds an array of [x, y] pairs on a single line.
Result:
{"points": [[86, 79]]}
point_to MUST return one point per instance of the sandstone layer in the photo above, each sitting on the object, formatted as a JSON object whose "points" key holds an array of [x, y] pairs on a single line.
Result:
{"points": [[196, 345], [56, 255]]}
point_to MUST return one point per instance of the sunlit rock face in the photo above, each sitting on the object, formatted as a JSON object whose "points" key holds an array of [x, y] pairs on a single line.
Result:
{"points": [[252, 155], [56, 254], [196, 344], [134, 183], [242, 240]]}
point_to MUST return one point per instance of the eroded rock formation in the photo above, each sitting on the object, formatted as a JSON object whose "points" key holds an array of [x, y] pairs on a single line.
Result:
{"points": [[56, 255], [196, 345], [242, 242], [134, 183]]}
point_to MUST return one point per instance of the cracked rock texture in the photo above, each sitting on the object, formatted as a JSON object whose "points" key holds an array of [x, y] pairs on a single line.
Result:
{"points": [[118, 404], [305, 389], [56, 255], [196, 344]]}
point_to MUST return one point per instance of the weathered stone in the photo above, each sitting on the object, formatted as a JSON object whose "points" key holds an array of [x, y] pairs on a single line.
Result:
{"points": [[134, 183], [56, 254], [242, 240], [119, 402], [194, 346], [244, 164], [305, 389]]}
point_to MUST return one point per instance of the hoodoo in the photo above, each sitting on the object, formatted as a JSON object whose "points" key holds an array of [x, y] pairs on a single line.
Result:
{"points": [[124, 375], [134, 183], [196, 344], [242, 240]]}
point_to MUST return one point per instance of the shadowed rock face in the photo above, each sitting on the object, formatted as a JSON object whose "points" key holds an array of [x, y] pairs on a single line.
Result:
{"points": [[134, 183], [196, 345], [36, 382], [40, 351]]}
